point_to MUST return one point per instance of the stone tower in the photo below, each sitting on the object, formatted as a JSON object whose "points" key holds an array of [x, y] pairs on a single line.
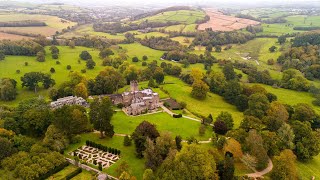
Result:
{"points": [[134, 86]]}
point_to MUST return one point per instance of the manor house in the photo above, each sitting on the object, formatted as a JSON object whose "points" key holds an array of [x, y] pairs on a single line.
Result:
{"points": [[70, 100], [137, 102]]}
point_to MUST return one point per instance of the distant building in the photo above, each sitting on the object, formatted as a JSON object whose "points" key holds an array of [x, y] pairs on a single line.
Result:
{"points": [[70, 100], [137, 102]]}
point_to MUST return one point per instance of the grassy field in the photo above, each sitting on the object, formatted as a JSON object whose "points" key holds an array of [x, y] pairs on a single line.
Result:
{"points": [[257, 49], [53, 23], [62, 174], [183, 40], [84, 175], [177, 126], [88, 30], [292, 97], [213, 104], [309, 169], [181, 16]]}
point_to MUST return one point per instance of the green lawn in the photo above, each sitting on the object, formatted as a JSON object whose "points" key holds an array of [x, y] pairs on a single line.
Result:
{"points": [[84, 175], [309, 169], [63, 173], [124, 124], [213, 104]]}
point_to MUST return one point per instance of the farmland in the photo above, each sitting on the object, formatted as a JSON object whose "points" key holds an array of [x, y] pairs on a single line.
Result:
{"points": [[221, 22], [181, 16], [53, 24]]}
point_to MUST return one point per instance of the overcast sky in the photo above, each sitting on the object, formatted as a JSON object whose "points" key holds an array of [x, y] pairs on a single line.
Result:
{"points": [[212, 3]]}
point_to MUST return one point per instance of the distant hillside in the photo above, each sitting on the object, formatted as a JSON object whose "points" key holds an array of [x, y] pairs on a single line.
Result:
{"points": [[174, 8]]}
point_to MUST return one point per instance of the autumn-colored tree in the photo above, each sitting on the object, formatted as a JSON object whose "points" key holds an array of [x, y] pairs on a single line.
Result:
{"points": [[199, 89], [284, 166], [81, 90]]}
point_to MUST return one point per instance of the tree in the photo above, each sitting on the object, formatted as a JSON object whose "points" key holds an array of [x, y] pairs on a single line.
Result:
{"points": [[284, 166], [228, 72], [55, 56], [282, 39], [2, 55], [81, 90], [90, 64], [131, 73], [307, 143], [192, 162], [209, 48], [178, 140], [54, 49], [8, 89], [286, 136], [105, 53], [135, 59], [199, 89], [151, 83], [228, 167], [144, 57], [303, 112], [217, 82], [32, 79], [6, 148], [258, 105], [36, 120], [226, 118], [52, 70], [218, 48], [41, 57], [127, 141], [220, 127], [251, 122], [254, 143], [72, 44], [85, 55], [158, 75], [123, 167], [148, 175], [68, 67], [272, 49], [55, 139], [129, 37], [143, 131], [100, 114], [71, 120]]}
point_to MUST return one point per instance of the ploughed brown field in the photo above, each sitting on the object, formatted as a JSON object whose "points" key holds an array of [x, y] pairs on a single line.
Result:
{"points": [[12, 36], [220, 22]]}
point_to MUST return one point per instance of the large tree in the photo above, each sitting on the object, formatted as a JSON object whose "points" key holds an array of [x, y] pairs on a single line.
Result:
{"points": [[100, 114], [32, 80], [199, 89], [258, 105], [8, 89], [284, 166], [228, 72], [254, 143], [143, 131], [192, 162]]}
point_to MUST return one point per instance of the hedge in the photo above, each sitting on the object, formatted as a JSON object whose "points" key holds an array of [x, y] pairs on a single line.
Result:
{"points": [[73, 174], [53, 171], [103, 148], [177, 115]]}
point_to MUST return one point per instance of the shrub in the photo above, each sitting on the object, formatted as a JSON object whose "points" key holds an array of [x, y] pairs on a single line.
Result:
{"points": [[18, 71], [145, 58], [75, 139], [135, 59], [144, 63], [177, 115], [100, 167], [55, 170], [55, 56], [68, 67], [202, 130], [270, 62], [58, 62], [83, 71], [127, 141], [183, 105], [73, 174], [52, 70], [26, 63], [120, 105]]}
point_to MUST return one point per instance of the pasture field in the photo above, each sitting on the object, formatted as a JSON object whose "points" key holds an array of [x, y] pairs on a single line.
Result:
{"points": [[181, 16], [12, 36], [293, 21], [255, 52], [53, 23], [266, 13], [213, 104], [88, 30], [183, 40]]}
